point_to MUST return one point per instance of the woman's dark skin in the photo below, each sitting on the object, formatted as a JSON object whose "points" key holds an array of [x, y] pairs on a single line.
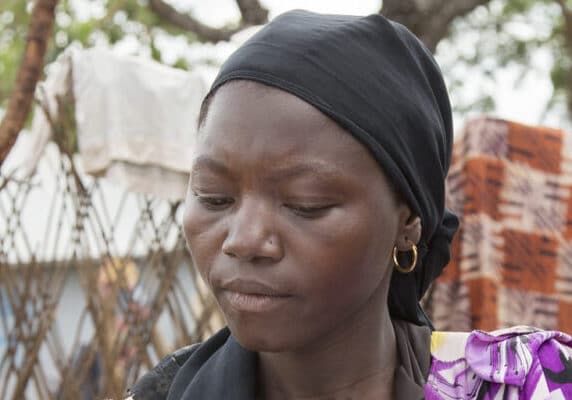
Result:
{"points": [[291, 223]]}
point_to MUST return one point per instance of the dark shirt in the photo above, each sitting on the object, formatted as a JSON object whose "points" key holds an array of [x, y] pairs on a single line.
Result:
{"points": [[221, 368]]}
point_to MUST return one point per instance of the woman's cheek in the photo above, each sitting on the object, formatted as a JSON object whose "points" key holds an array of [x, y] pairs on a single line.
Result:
{"points": [[200, 227], [341, 224], [196, 218]]}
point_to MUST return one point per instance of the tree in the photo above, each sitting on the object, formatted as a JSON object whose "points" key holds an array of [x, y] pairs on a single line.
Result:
{"points": [[41, 22], [513, 34], [251, 10], [441, 24], [121, 18], [430, 20]]}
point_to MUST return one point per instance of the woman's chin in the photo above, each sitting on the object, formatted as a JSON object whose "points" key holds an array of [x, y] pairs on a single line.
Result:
{"points": [[262, 339]]}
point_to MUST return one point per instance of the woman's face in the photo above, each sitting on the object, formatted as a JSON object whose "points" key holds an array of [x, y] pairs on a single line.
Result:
{"points": [[289, 219]]}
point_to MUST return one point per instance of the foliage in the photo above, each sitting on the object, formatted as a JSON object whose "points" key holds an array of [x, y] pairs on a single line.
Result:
{"points": [[526, 37], [87, 22], [13, 26]]}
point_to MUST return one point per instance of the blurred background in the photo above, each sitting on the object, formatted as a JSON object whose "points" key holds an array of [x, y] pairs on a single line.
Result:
{"points": [[98, 107]]}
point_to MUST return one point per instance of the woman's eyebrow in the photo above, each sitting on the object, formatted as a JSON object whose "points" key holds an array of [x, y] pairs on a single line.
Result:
{"points": [[273, 175], [307, 168], [206, 162]]}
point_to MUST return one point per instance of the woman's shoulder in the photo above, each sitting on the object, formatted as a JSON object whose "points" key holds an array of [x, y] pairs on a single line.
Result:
{"points": [[157, 382], [524, 362]]}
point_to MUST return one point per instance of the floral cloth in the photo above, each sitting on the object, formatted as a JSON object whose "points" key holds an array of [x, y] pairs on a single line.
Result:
{"points": [[513, 364]]}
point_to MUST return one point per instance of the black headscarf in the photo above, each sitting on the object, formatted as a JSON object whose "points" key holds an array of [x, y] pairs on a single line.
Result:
{"points": [[379, 82]]}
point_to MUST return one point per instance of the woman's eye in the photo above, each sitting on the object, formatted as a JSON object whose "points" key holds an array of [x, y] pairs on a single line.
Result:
{"points": [[215, 203], [307, 211]]}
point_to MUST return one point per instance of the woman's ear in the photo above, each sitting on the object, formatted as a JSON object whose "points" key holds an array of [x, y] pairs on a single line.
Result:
{"points": [[410, 233]]}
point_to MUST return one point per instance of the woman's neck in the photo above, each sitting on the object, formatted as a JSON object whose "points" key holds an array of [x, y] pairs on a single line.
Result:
{"points": [[357, 361]]}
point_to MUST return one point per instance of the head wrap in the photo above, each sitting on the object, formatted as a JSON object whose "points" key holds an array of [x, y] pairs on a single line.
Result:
{"points": [[379, 82]]}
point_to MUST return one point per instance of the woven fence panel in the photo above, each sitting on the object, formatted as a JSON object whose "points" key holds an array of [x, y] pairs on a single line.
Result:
{"points": [[96, 284]]}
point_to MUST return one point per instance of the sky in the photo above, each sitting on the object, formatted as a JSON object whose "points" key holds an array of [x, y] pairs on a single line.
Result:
{"points": [[217, 12]]}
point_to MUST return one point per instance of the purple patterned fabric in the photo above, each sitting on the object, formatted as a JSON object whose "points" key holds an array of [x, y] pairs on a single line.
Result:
{"points": [[517, 363]]}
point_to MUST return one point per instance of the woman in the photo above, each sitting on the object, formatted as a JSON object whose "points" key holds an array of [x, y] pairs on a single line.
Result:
{"points": [[316, 215]]}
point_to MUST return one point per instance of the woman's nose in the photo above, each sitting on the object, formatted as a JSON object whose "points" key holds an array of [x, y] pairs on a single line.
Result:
{"points": [[252, 236]]}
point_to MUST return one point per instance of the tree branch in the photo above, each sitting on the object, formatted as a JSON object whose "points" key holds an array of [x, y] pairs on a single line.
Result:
{"points": [[567, 14], [430, 20], [41, 22], [251, 10]]}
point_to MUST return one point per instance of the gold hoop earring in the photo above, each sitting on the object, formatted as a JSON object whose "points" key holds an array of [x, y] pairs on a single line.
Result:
{"points": [[413, 264]]}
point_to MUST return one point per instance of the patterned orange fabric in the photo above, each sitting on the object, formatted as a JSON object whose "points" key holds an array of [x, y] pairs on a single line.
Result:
{"points": [[511, 185]]}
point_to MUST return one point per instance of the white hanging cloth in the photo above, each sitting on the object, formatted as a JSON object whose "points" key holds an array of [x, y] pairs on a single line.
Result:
{"points": [[136, 119]]}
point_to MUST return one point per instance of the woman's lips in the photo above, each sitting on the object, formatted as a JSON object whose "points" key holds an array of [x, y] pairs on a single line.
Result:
{"points": [[247, 295], [253, 302]]}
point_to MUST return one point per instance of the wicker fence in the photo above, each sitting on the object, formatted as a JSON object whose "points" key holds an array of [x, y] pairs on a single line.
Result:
{"points": [[95, 284]]}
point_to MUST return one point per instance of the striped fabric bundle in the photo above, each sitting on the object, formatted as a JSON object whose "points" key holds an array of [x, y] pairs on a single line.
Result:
{"points": [[511, 265]]}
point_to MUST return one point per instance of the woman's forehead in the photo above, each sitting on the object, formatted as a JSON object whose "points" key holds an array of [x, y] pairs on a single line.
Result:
{"points": [[248, 120], [241, 101]]}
